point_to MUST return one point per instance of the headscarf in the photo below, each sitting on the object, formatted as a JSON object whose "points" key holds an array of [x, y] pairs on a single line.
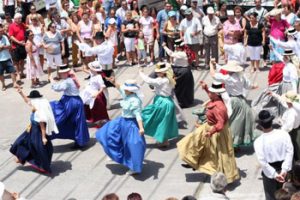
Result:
{"points": [[44, 113]]}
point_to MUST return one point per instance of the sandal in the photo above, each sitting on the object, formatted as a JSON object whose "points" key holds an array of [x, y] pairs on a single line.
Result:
{"points": [[4, 88]]}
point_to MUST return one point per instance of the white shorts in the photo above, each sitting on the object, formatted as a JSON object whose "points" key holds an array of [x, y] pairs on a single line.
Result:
{"points": [[254, 52], [129, 44], [53, 60]]}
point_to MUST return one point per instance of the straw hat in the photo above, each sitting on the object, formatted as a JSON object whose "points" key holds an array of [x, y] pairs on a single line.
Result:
{"points": [[291, 97], [63, 68], [162, 67], [216, 87], [131, 86], [95, 66], [275, 11], [232, 66], [288, 52]]}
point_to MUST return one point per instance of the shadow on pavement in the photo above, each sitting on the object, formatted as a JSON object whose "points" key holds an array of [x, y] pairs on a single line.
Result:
{"points": [[70, 147], [150, 169], [172, 145], [57, 168]]}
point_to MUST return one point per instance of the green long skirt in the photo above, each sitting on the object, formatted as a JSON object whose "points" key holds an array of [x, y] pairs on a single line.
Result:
{"points": [[241, 122], [159, 119]]}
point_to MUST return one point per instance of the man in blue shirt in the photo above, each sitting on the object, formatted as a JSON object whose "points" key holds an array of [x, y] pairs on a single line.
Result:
{"points": [[6, 64], [162, 18]]}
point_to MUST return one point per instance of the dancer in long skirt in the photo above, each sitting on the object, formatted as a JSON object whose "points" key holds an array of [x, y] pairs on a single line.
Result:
{"points": [[184, 88], [69, 110], [265, 101], [209, 148], [159, 118], [34, 145], [93, 97], [290, 119], [241, 120], [123, 138]]}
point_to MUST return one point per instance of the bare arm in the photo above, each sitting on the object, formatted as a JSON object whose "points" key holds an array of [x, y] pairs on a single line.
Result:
{"points": [[43, 130]]}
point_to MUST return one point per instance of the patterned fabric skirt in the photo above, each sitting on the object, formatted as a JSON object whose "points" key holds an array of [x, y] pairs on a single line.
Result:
{"points": [[209, 154], [122, 142], [159, 119]]}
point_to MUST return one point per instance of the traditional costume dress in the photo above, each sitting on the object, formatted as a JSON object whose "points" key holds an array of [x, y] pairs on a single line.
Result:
{"points": [[241, 120], [69, 112], [104, 53], [159, 118], [184, 88], [29, 146], [265, 101], [274, 151], [95, 107], [120, 138], [215, 153], [290, 119]]}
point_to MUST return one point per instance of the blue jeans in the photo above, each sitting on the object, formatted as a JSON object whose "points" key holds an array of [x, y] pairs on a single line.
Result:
{"points": [[162, 39]]}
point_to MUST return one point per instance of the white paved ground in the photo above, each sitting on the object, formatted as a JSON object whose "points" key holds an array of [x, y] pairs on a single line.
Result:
{"points": [[86, 175]]}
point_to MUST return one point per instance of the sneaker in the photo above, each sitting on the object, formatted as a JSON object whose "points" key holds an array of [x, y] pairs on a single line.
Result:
{"points": [[130, 172]]}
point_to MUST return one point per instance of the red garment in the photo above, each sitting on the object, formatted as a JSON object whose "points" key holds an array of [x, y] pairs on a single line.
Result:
{"points": [[99, 111], [275, 73], [18, 31], [216, 115]]}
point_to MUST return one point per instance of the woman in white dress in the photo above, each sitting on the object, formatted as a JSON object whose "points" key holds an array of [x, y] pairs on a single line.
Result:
{"points": [[93, 97]]}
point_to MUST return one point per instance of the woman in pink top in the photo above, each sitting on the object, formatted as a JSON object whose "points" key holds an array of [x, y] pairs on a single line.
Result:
{"points": [[277, 31], [84, 34]]}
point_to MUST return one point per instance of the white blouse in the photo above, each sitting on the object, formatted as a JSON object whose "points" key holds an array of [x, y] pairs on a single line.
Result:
{"points": [[273, 147], [162, 86], [180, 58]]}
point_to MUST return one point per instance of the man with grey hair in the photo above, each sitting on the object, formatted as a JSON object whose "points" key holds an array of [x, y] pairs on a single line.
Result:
{"points": [[218, 183]]}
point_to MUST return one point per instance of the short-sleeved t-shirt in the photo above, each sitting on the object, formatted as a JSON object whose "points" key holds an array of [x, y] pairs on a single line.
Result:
{"points": [[17, 31], [147, 24], [130, 24], [188, 27], [54, 42], [4, 54]]}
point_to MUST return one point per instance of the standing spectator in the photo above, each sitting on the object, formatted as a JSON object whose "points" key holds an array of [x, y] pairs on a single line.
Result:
{"points": [[64, 29], [190, 28], [97, 26], [277, 31], [261, 12], [153, 14], [171, 30], [38, 31], [5, 60], [211, 25], [130, 29], [34, 13], [7, 22], [16, 32], [288, 14], [232, 34], [84, 34], [141, 50], [54, 46], [198, 13], [146, 23], [108, 5], [135, 10], [121, 12], [9, 7], [25, 8], [84, 9], [111, 35], [100, 14], [34, 69], [75, 52], [275, 165], [255, 38], [162, 18], [112, 14]]}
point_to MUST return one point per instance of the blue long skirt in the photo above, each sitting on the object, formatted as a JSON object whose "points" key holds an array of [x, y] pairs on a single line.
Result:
{"points": [[29, 147], [122, 142], [70, 119]]}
